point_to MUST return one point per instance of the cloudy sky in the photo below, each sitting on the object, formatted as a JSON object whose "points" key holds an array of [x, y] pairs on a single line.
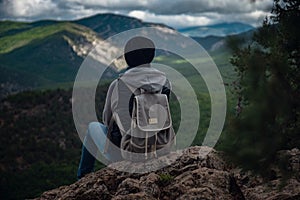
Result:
{"points": [[175, 13]]}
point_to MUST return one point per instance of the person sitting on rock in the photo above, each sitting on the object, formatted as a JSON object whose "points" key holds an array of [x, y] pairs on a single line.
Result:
{"points": [[139, 53]]}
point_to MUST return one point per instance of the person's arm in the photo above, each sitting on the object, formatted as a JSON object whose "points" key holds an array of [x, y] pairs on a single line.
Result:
{"points": [[167, 89], [107, 112]]}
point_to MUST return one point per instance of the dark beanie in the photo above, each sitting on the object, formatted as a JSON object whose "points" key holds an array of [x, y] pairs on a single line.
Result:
{"points": [[138, 51]]}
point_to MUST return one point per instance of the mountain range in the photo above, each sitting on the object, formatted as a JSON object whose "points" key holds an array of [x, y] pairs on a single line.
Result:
{"points": [[220, 30], [48, 53]]}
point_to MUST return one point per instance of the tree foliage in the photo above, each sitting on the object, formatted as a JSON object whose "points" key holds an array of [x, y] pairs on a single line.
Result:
{"points": [[268, 90]]}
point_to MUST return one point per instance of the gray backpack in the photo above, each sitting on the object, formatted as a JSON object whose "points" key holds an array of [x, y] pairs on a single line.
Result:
{"points": [[151, 133], [147, 131]]}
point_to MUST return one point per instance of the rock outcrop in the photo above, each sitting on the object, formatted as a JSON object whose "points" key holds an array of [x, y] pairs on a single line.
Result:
{"points": [[278, 188], [192, 176]]}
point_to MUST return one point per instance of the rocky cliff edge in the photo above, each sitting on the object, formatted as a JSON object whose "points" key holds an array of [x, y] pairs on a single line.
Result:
{"points": [[192, 176]]}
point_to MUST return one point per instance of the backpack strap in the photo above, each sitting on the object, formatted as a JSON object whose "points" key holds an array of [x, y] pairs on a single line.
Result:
{"points": [[146, 145], [110, 126]]}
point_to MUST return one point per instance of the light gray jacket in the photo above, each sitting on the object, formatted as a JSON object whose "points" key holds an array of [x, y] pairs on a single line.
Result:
{"points": [[118, 96]]}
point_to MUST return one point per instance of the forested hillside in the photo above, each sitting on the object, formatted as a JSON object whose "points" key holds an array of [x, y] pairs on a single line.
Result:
{"points": [[40, 147]]}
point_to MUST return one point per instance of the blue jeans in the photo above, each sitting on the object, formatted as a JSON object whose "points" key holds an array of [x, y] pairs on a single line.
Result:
{"points": [[95, 140]]}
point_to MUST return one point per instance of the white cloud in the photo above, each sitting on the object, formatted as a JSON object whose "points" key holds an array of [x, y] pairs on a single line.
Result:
{"points": [[171, 20], [29, 8], [112, 4], [180, 6], [254, 18], [175, 13]]}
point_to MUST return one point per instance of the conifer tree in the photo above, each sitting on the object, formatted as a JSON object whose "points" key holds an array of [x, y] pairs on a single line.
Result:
{"points": [[268, 91]]}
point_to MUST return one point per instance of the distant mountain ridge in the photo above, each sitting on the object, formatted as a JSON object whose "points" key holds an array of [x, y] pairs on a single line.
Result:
{"points": [[222, 29], [107, 25], [50, 52]]}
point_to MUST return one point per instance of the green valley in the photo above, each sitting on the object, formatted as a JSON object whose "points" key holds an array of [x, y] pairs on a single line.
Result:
{"points": [[40, 145]]}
